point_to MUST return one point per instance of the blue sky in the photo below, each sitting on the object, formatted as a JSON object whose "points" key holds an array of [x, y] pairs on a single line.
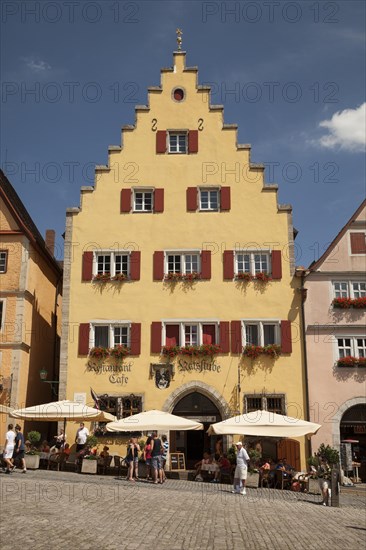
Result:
{"points": [[291, 74]]}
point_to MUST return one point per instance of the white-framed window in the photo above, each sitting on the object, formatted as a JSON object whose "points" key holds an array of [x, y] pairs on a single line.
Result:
{"points": [[209, 199], [3, 261], [143, 200], [275, 403], [260, 333], [2, 314], [190, 332], [354, 346], [178, 142], [358, 289], [182, 262], [252, 261], [111, 262], [110, 334], [349, 289]]}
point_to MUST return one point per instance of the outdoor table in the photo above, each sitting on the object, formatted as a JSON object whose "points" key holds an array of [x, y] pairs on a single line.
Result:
{"points": [[211, 468]]}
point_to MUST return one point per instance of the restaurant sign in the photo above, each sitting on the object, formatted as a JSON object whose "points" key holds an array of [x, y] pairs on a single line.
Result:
{"points": [[116, 373], [201, 365]]}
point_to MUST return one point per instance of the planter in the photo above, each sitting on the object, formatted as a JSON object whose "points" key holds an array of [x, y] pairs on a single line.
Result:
{"points": [[252, 480], [32, 462], [313, 487], [89, 466]]}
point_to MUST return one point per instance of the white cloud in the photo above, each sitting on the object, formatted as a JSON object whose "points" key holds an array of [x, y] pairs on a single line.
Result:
{"points": [[346, 130], [37, 65]]}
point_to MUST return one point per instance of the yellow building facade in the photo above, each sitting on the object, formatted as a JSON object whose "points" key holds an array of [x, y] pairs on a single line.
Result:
{"points": [[181, 244], [30, 308]]}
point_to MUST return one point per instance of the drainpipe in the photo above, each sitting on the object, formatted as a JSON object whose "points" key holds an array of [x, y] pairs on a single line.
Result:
{"points": [[303, 292]]}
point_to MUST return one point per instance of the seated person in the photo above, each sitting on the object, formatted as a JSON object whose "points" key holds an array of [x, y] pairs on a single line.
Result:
{"points": [[66, 450], [45, 448], [225, 468], [82, 454], [206, 460], [105, 452], [285, 468], [28, 446]]}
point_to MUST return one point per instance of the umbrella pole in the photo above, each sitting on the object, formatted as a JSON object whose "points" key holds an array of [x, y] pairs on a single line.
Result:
{"points": [[64, 431]]}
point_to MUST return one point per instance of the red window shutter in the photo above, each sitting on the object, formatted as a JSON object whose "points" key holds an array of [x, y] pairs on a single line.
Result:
{"points": [[225, 202], [358, 243], [276, 261], [206, 264], [193, 141], [208, 334], [172, 335], [228, 264], [224, 336], [135, 339], [87, 267], [191, 199], [286, 340], [159, 200], [135, 263], [125, 200], [161, 141], [83, 339], [158, 267], [236, 345], [155, 337]]}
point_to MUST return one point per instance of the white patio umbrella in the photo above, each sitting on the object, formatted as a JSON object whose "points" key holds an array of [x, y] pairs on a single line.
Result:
{"points": [[5, 410], [265, 424], [153, 420], [62, 410]]}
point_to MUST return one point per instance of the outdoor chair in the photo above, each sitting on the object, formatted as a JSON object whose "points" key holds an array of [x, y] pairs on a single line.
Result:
{"points": [[56, 461], [282, 481], [265, 479], [119, 465], [71, 461], [104, 465]]}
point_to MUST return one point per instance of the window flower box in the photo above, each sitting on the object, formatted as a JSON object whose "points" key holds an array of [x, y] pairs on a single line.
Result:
{"points": [[359, 303], [342, 303], [244, 277], [187, 277], [205, 350], [262, 277], [347, 361], [101, 278], [99, 353], [120, 277], [272, 350], [119, 352], [361, 362]]}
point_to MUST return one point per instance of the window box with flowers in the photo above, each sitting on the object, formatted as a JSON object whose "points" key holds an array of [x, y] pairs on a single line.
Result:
{"points": [[350, 361], [102, 278], [120, 277], [272, 350], [244, 277], [205, 350], [262, 277], [185, 277], [119, 352], [342, 303], [99, 353], [359, 303]]}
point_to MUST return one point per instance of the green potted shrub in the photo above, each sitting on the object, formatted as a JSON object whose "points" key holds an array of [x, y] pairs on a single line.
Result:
{"points": [[253, 468], [32, 457]]}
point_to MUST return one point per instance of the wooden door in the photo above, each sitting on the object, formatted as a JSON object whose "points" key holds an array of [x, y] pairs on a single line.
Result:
{"points": [[289, 449]]}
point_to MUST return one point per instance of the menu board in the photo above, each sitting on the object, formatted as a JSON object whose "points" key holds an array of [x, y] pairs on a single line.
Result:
{"points": [[177, 461]]}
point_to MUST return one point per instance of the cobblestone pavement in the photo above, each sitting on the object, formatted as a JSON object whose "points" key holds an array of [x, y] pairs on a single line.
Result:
{"points": [[58, 510]]}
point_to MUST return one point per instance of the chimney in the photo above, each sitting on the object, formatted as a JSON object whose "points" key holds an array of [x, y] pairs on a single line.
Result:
{"points": [[50, 241]]}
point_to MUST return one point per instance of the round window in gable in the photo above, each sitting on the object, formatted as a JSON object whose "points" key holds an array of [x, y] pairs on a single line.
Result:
{"points": [[178, 94]]}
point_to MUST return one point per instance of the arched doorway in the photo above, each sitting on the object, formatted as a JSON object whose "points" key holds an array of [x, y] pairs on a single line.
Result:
{"points": [[353, 429], [193, 443]]}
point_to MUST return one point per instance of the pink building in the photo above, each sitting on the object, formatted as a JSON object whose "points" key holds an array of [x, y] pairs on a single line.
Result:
{"points": [[335, 329]]}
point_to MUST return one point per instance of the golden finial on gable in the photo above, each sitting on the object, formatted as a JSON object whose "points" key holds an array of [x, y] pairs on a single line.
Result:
{"points": [[179, 38]]}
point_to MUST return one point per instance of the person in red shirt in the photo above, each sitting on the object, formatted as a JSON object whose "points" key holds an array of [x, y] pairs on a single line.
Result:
{"points": [[225, 467]]}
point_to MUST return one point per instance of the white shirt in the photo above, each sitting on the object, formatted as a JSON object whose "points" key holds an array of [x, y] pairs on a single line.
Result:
{"points": [[242, 458], [10, 439], [81, 435]]}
